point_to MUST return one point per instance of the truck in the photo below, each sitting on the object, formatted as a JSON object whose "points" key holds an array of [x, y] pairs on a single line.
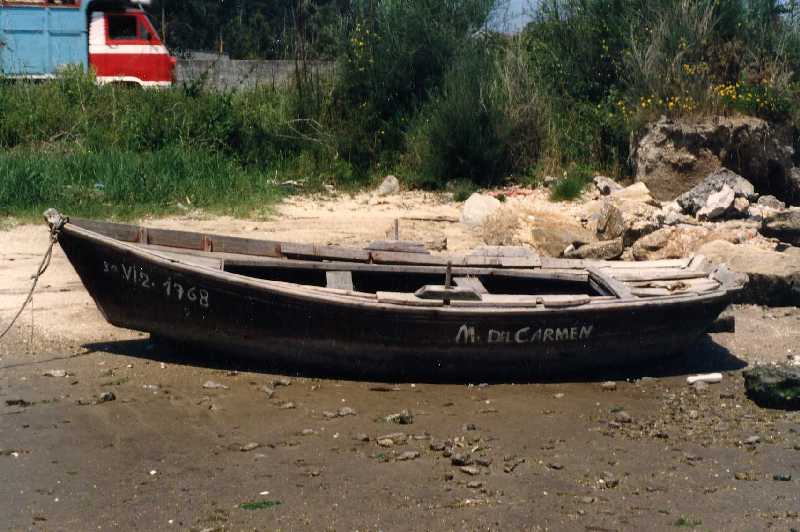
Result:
{"points": [[114, 38]]}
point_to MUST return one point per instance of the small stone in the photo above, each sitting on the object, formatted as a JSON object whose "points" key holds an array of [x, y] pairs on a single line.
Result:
{"points": [[397, 438], [386, 442], [267, 390], [694, 414], [346, 411], [288, 405], [588, 500], [609, 386], [211, 385], [771, 201], [404, 417], [437, 446], [558, 396], [408, 455], [470, 426], [700, 386], [361, 436], [461, 459], [329, 415], [55, 373], [483, 461], [623, 417], [609, 481], [470, 470], [740, 475], [555, 465], [249, 446], [307, 432], [106, 397], [474, 484], [752, 440], [282, 381], [782, 477]]}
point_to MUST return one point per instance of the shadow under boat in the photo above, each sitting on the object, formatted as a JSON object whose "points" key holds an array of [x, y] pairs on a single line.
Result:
{"points": [[704, 356]]}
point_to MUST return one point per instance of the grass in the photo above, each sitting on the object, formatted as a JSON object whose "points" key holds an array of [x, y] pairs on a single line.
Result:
{"points": [[687, 522], [123, 185], [572, 184], [259, 505]]}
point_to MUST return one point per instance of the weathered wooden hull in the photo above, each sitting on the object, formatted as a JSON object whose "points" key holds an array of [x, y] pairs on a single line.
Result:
{"points": [[233, 314]]}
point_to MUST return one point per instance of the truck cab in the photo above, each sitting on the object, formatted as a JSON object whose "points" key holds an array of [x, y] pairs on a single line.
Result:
{"points": [[38, 38]]}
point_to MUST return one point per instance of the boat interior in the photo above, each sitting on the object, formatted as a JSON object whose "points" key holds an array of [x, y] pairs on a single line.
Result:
{"points": [[403, 272]]}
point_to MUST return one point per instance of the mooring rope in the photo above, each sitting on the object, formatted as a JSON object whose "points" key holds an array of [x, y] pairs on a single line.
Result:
{"points": [[54, 230]]}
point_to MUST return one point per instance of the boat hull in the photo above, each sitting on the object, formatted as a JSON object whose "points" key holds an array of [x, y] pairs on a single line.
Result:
{"points": [[202, 307]]}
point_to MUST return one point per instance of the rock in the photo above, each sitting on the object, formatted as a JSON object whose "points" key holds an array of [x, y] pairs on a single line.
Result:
{"points": [[361, 436], [385, 442], [461, 459], [771, 201], [623, 417], [636, 193], [483, 461], [606, 185], [783, 225], [437, 446], [552, 235], [268, 391], [606, 250], [56, 373], [307, 432], [717, 204], [478, 208], [669, 243], [675, 155], [106, 397], [247, 447], [773, 277], [346, 411], [281, 381], [609, 481], [475, 484], [774, 386], [698, 197], [740, 208], [389, 186], [288, 405], [404, 417], [609, 386], [610, 223], [556, 466], [782, 477], [708, 378], [408, 455], [752, 440], [211, 385], [700, 386], [470, 470]]}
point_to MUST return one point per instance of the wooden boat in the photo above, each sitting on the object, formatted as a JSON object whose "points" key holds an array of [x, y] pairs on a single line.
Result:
{"points": [[393, 308]]}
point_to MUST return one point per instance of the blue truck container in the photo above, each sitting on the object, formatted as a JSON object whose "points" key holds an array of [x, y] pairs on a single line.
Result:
{"points": [[39, 39]]}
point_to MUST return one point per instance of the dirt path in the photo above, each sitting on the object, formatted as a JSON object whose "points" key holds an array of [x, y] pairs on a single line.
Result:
{"points": [[167, 452]]}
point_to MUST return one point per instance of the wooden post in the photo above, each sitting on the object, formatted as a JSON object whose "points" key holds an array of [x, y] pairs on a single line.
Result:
{"points": [[448, 281], [397, 229]]}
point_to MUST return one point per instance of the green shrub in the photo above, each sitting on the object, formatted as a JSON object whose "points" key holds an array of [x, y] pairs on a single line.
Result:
{"points": [[571, 185]]}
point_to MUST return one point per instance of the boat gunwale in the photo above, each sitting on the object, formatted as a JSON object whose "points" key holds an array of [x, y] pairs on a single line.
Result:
{"points": [[317, 294]]}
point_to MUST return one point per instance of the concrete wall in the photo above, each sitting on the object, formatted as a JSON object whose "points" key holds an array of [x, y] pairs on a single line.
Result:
{"points": [[223, 73]]}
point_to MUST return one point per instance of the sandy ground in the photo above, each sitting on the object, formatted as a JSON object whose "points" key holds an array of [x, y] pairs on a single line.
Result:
{"points": [[170, 452]]}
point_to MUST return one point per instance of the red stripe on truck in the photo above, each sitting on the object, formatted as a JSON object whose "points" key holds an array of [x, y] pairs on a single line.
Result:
{"points": [[145, 67]]}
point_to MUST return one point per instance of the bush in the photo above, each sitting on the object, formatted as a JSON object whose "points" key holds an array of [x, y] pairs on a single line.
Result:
{"points": [[571, 185], [462, 133]]}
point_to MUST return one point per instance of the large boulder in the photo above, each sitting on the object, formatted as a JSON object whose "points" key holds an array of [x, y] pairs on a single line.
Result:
{"points": [[774, 386], [696, 198], [774, 277], [390, 185], [675, 155], [478, 208], [783, 225], [606, 185]]}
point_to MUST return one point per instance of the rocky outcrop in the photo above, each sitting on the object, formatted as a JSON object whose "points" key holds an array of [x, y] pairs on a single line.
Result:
{"points": [[674, 156], [774, 386], [783, 225], [774, 277]]}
